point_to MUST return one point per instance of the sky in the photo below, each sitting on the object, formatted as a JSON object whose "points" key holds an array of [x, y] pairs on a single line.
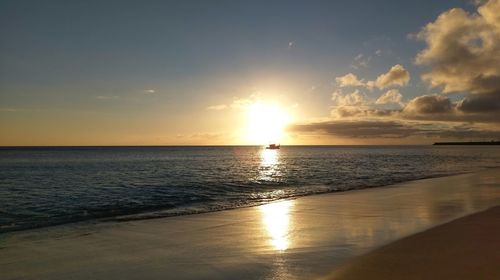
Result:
{"points": [[248, 72]]}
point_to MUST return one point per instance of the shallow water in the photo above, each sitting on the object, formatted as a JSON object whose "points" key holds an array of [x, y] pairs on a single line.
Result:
{"points": [[47, 186]]}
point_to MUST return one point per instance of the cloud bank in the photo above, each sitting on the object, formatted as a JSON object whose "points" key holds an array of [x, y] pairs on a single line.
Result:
{"points": [[461, 56], [463, 53], [391, 129]]}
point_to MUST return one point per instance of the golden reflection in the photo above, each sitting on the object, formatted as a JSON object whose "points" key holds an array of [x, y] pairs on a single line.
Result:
{"points": [[269, 157], [269, 165], [276, 220]]}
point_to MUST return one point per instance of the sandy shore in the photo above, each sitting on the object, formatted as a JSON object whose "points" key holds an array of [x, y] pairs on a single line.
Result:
{"points": [[303, 238], [467, 248]]}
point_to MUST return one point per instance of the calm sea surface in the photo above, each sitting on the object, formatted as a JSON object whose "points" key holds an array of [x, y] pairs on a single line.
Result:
{"points": [[48, 186]]}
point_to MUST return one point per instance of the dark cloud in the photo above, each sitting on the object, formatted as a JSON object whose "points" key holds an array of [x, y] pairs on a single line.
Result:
{"points": [[479, 108], [484, 103], [350, 111], [358, 129], [393, 129], [429, 104], [474, 109]]}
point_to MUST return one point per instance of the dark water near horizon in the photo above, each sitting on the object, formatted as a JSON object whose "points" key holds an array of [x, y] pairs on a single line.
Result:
{"points": [[48, 186]]}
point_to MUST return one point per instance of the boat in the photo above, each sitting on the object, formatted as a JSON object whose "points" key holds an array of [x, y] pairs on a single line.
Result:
{"points": [[273, 147]]}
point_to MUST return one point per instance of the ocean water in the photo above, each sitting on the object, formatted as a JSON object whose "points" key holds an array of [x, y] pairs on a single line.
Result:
{"points": [[48, 186]]}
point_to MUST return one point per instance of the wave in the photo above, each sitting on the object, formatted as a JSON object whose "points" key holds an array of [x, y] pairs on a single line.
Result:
{"points": [[191, 207]]}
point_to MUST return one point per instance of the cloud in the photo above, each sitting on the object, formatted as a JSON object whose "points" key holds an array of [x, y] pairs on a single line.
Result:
{"points": [[148, 91], [107, 97], [244, 102], [348, 105], [349, 80], [462, 55], [463, 50], [392, 129], [365, 112], [237, 103], [361, 61], [437, 108], [217, 107], [346, 112], [210, 136], [357, 129], [396, 76], [391, 96], [356, 98], [486, 103], [429, 104]]}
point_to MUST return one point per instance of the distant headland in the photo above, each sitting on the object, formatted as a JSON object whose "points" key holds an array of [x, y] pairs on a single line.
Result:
{"points": [[469, 143]]}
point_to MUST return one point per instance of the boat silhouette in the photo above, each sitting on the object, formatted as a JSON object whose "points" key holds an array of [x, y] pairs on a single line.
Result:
{"points": [[273, 147]]}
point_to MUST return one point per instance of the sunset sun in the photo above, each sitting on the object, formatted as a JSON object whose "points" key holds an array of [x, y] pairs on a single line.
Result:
{"points": [[266, 123]]}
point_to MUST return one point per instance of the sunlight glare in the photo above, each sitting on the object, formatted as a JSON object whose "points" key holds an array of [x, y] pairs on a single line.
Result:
{"points": [[269, 169], [276, 219], [266, 123]]}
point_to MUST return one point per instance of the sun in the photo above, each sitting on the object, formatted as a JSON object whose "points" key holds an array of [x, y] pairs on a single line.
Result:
{"points": [[266, 123]]}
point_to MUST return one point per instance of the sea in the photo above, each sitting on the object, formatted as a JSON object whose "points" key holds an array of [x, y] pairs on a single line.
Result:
{"points": [[46, 186]]}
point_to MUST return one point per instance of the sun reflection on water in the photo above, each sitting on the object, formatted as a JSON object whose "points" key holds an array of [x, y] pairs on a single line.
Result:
{"points": [[269, 157], [269, 169], [276, 220]]}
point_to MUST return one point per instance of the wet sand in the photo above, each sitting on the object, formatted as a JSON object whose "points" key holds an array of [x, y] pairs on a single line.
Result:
{"points": [[305, 238], [467, 248]]}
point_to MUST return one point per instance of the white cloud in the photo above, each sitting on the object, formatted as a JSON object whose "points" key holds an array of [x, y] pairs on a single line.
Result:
{"points": [[356, 98], [396, 76], [349, 80], [463, 50], [390, 96], [463, 53]]}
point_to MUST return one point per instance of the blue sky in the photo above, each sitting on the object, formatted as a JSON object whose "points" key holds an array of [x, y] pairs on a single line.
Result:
{"points": [[106, 64]]}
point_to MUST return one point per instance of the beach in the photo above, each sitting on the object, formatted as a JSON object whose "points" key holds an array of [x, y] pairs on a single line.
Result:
{"points": [[467, 248], [318, 236]]}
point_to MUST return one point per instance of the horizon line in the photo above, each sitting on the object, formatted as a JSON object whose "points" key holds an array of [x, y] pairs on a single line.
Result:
{"points": [[199, 145]]}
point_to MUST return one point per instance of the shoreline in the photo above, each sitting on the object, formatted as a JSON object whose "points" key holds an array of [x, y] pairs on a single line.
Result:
{"points": [[301, 238], [163, 213], [465, 248]]}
